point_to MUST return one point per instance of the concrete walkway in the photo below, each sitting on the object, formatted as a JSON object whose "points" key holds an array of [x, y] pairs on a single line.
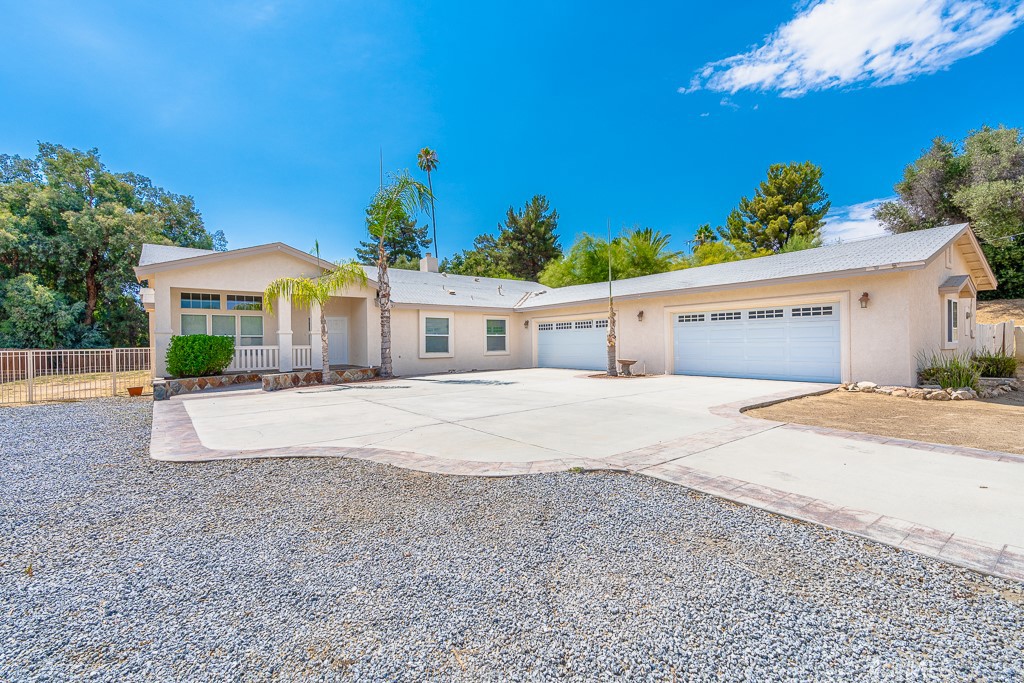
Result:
{"points": [[956, 504]]}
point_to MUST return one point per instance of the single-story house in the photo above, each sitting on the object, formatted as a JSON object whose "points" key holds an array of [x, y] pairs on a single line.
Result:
{"points": [[860, 310]]}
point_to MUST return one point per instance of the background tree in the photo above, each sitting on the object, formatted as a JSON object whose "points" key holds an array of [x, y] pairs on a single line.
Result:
{"points": [[427, 161], [78, 228], [638, 251], [398, 199], [791, 201], [485, 259], [722, 251], [404, 245], [978, 181], [305, 292], [527, 240], [705, 233]]}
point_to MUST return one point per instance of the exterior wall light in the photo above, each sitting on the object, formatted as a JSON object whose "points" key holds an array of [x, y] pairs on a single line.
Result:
{"points": [[526, 324], [864, 299], [640, 316]]}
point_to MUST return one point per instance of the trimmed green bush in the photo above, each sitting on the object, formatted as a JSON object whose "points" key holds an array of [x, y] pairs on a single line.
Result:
{"points": [[949, 371], [995, 364], [199, 355]]}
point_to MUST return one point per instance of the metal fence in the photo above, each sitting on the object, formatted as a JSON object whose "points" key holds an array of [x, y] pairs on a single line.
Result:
{"points": [[43, 375]]}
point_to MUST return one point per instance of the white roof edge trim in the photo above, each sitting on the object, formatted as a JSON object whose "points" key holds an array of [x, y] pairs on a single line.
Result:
{"points": [[834, 275], [191, 261]]}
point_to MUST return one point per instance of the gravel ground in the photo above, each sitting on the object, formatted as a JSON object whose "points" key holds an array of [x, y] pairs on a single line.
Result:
{"points": [[115, 567]]}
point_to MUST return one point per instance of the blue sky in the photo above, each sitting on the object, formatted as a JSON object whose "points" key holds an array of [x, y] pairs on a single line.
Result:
{"points": [[272, 114]]}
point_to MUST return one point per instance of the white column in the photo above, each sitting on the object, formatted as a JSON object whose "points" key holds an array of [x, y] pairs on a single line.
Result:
{"points": [[162, 329], [316, 339], [284, 334]]}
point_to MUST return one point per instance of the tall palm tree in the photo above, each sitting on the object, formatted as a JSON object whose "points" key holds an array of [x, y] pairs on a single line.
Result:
{"points": [[427, 161], [704, 235], [401, 198], [304, 292]]}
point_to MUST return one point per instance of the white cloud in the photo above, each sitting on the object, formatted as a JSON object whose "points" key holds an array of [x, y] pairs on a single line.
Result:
{"points": [[705, 114], [854, 221], [835, 43]]}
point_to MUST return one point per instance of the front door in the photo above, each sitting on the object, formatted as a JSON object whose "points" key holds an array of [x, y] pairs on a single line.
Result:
{"points": [[337, 340]]}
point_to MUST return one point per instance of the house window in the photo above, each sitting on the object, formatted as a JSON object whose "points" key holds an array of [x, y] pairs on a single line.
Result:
{"points": [[196, 300], [952, 321], [223, 326], [437, 333], [245, 302], [251, 330], [193, 324], [497, 335]]}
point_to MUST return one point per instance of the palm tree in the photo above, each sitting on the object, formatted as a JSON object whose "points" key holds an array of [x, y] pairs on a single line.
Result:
{"points": [[704, 235], [304, 292], [427, 161], [402, 197], [645, 251]]}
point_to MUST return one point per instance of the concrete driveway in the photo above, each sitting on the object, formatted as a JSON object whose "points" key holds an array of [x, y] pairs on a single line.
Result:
{"points": [[960, 505]]}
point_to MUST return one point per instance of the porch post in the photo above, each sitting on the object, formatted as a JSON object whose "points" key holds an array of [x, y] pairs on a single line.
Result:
{"points": [[284, 334], [316, 340]]}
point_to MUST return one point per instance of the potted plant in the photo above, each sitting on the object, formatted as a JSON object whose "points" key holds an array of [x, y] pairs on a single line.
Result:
{"points": [[135, 391]]}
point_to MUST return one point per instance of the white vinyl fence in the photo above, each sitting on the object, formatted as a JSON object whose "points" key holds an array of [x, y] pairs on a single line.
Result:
{"points": [[42, 375], [997, 338]]}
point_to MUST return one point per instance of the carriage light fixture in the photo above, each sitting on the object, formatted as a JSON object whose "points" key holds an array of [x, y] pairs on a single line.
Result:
{"points": [[640, 316], [864, 299]]}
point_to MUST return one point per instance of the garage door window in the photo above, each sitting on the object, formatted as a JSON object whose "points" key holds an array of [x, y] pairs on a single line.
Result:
{"points": [[691, 318], [436, 335], [765, 313], [811, 311], [497, 335], [728, 315]]}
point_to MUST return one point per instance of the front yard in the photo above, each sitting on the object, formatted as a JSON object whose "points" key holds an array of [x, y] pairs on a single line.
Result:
{"points": [[990, 424], [117, 567]]}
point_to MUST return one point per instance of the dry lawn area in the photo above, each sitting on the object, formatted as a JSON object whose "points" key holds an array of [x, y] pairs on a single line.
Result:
{"points": [[992, 312], [993, 424]]}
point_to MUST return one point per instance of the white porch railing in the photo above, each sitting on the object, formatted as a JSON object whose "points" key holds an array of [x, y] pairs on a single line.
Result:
{"points": [[302, 357], [251, 358]]}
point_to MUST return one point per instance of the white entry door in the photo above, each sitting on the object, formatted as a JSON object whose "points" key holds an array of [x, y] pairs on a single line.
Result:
{"points": [[573, 344], [337, 340], [780, 342]]}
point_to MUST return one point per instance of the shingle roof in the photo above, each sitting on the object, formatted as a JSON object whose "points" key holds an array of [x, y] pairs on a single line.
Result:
{"points": [[162, 253], [865, 255], [435, 289]]}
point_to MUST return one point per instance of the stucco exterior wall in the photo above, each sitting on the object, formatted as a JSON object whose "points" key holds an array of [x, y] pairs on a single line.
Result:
{"points": [[926, 334]]}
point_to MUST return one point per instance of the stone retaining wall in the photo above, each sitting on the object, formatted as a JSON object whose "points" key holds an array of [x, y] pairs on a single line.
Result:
{"points": [[988, 387], [163, 389], [306, 378]]}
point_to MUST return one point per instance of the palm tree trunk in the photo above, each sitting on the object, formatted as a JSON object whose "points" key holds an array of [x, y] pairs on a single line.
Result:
{"points": [[433, 218], [325, 377], [612, 370], [384, 297]]}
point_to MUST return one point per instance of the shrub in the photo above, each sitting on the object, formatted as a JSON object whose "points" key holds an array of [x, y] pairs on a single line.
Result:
{"points": [[199, 355], [949, 371], [995, 364]]}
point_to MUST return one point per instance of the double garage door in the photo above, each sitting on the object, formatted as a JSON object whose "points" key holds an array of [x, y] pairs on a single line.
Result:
{"points": [[799, 343], [785, 342]]}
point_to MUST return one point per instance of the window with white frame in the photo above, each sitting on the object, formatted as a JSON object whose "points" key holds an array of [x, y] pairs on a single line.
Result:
{"points": [[437, 335], [952, 321], [497, 335], [193, 324], [223, 326], [197, 300], [250, 330], [245, 302]]}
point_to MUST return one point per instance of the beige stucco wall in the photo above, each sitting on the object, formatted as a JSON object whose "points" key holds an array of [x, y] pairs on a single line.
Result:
{"points": [[926, 333]]}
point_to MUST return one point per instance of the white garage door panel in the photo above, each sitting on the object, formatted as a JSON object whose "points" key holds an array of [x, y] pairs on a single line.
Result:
{"points": [[798, 343], [581, 346]]}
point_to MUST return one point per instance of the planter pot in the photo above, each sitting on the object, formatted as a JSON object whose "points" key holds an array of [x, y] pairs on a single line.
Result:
{"points": [[135, 391]]}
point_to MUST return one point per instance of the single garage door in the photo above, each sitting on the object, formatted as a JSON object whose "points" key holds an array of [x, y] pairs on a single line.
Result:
{"points": [[575, 344], [786, 342]]}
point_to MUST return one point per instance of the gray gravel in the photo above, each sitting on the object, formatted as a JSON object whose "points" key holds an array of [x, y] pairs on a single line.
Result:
{"points": [[115, 567]]}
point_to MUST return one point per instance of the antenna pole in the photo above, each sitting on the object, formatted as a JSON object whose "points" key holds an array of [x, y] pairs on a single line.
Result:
{"points": [[382, 167]]}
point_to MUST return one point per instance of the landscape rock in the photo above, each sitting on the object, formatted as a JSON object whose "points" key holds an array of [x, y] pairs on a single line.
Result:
{"points": [[937, 396], [866, 386]]}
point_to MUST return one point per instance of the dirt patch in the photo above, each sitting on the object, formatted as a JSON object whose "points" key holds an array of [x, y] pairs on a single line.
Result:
{"points": [[993, 424], [992, 312]]}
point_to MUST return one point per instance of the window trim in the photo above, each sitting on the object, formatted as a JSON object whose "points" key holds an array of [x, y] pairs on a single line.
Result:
{"points": [[213, 298], [508, 348], [262, 335], [951, 321], [423, 334]]}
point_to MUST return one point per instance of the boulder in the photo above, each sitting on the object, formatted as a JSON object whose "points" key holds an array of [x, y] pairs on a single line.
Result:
{"points": [[917, 393], [866, 386], [937, 396], [962, 395], [900, 393]]}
